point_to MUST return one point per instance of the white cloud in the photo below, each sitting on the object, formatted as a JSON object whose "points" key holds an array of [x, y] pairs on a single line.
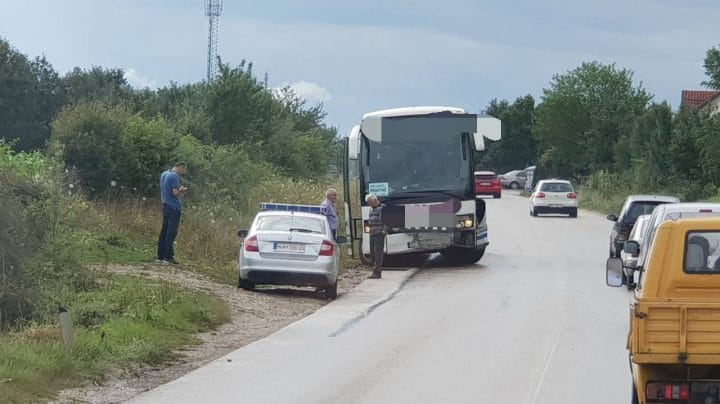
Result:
{"points": [[138, 81], [312, 92]]}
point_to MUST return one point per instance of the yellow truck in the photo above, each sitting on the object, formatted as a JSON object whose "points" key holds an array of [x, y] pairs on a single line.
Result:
{"points": [[674, 338]]}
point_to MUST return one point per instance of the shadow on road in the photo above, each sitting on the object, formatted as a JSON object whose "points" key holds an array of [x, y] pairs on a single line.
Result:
{"points": [[428, 262], [553, 216], [307, 292]]}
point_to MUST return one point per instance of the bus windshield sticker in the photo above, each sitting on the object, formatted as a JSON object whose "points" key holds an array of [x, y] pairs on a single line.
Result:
{"points": [[378, 188]]}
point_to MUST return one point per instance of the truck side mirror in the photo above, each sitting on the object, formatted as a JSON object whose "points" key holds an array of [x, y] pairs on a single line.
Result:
{"points": [[612, 218], [613, 272], [242, 233], [631, 247]]}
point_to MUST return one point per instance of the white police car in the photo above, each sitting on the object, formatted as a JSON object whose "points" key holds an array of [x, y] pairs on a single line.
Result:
{"points": [[290, 245]]}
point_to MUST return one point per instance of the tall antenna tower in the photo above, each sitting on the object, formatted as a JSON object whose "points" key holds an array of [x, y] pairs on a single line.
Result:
{"points": [[212, 10]]}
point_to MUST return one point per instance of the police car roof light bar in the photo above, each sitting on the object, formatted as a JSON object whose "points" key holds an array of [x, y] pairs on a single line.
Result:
{"points": [[287, 207]]}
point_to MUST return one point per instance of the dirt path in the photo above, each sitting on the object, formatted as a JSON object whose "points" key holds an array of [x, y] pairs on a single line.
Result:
{"points": [[255, 315]]}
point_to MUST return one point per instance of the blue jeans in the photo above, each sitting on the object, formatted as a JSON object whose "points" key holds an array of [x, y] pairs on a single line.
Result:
{"points": [[168, 233]]}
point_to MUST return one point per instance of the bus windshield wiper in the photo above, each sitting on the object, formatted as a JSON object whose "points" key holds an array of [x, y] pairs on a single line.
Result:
{"points": [[438, 191], [395, 197]]}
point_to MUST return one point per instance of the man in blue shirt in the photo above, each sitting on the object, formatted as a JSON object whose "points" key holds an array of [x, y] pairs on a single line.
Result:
{"points": [[170, 192], [329, 205]]}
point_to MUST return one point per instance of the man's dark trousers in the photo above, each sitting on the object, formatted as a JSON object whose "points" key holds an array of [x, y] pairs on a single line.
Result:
{"points": [[377, 250], [170, 225]]}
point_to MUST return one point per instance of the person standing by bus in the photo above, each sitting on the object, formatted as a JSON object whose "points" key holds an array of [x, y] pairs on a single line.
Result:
{"points": [[329, 204], [377, 235]]}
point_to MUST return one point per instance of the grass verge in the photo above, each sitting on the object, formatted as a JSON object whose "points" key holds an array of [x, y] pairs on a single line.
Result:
{"points": [[125, 322]]}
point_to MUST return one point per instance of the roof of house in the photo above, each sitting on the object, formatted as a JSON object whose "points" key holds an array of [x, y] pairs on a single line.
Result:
{"points": [[694, 98]]}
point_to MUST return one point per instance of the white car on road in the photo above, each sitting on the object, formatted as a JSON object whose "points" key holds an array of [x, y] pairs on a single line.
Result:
{"points": [[553, 196]]}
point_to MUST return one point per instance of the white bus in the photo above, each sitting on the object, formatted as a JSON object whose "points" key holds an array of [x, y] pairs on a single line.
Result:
{"points": [[419, 161]]}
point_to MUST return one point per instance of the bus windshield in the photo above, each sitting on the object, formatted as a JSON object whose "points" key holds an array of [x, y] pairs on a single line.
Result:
{"points": [[416, 156]]}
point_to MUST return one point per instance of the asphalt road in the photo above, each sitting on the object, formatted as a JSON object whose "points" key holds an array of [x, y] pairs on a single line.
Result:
{"points": [[532, 323]]}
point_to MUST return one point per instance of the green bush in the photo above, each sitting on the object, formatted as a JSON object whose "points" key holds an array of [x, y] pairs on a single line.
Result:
{"points": [[89, 137]]}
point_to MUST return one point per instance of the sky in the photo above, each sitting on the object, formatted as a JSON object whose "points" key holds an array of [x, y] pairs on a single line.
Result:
{"points": [[357, 57]]}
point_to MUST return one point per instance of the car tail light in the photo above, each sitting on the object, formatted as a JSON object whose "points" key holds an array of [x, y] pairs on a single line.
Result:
{"points": [[667, 391], [572, 195], [327, 249], [540, 195], [251, 244]]}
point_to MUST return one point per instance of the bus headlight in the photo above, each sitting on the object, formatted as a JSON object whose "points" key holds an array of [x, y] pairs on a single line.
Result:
{"points": [[465, 222]]}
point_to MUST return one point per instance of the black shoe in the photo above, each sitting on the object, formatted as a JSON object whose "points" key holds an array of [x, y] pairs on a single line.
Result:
{"points": [[172, 261], [375, 276]]}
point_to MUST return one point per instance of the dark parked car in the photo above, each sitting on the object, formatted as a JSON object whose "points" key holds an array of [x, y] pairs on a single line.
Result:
{"points": [[634, 206]]}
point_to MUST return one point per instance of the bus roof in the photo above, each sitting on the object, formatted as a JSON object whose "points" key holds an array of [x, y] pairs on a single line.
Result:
{"points": [[413, 111]]}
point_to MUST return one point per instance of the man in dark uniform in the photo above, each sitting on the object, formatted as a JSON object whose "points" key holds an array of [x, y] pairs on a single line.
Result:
{"points": [[377, 235]]}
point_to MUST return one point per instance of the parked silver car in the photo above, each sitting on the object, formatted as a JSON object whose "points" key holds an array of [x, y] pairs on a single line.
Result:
{"points": [[661, 213], [514, 179], [290, 245], [630, 260]]}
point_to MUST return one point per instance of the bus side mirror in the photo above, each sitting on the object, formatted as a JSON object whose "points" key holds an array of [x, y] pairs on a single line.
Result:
{"points": [[479, 142], [354, 143], [488, 127]]}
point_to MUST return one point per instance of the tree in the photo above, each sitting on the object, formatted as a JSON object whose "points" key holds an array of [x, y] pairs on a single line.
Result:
{"points": [[585, 115], [235, 105], [712, 68], [97, 83], [29, 98], [517, 148]]}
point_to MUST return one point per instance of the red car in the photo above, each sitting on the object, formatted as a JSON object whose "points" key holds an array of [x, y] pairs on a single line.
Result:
{"points": [[487, 183]]}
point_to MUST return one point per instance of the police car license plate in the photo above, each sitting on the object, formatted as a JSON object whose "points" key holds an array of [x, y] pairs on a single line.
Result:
{"points": [[289, 247]]}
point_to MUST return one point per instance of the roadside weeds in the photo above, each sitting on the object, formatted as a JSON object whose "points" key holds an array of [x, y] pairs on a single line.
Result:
{"points": [[253, 316]]}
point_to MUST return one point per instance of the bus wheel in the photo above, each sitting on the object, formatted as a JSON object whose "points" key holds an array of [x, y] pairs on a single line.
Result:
{"points": [[463, 256]]}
